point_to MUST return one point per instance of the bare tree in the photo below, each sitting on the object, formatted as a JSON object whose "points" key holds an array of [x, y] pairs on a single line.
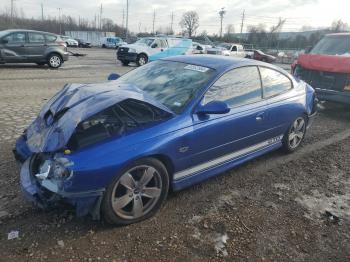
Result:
{"points": [[339, 26], [190, 22]]}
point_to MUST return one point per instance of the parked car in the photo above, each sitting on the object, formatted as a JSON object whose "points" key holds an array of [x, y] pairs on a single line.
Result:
{"points": [[198, 48], [116, 148], [28, 46], [227, 49], [249, 53], [82, 43], [112, 42], [261, 56], [153, 48], [69, 41], [327, 68]]}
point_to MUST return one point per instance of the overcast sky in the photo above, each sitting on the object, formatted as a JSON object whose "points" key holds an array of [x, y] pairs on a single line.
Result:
{"points": [[315, 13]]}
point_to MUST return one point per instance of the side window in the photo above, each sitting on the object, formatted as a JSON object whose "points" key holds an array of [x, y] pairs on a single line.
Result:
{"points": [[237, 87], [163, 44], [36, 38], [16, 38], [50, 38], [274, 82], [234, 48]]}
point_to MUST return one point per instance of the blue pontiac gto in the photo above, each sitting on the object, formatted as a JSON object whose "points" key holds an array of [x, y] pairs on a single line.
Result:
{"points": [[116, 148]]}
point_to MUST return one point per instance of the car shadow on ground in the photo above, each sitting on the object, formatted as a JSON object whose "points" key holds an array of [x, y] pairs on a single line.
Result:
{"points": [[24, 66]]}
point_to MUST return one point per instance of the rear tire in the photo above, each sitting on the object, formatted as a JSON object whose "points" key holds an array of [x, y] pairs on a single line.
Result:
{"points": [[141, 60], [54, 60], [295, 134], [137, 192]]}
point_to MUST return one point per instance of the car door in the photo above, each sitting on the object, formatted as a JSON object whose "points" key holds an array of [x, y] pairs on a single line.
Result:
{"points": [[36, 46], [14, 47], [240, 131], [283, 107], [233, 50]]}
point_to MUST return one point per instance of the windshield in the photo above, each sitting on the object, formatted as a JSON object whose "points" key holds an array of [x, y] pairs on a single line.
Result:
{"points": [[333, 45], [226, 46], [173, 84], [146, 41]]}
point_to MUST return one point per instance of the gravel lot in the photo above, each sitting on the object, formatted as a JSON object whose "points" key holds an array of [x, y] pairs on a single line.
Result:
{"points": [[272, 208]]}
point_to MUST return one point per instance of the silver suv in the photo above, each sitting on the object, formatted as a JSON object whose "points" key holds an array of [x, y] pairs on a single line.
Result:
{"points": [[28, 46]]}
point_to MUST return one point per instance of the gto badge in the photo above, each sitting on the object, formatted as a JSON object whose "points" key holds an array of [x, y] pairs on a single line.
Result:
{"points": [[183, 149]]}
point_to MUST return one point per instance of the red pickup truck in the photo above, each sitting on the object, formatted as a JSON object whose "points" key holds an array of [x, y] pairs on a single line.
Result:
{"points": [[327, 68]]}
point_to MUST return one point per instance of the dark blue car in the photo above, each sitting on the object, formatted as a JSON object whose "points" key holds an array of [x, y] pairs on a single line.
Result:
{"points": [[116, 148]]}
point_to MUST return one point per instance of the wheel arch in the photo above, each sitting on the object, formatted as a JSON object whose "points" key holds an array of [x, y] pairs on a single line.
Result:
{"points": [[168, 163], [53, 52]]}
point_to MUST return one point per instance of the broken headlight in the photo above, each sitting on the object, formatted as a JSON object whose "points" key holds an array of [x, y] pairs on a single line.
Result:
{"points": [[53, 169]]}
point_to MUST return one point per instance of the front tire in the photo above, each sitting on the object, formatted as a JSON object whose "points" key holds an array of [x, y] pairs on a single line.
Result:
{"points": [[295, 134], [141, 60], [55, 61], [137, 193]]}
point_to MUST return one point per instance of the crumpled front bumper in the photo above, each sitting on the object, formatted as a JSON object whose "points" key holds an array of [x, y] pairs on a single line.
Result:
{"points": [[84, 202]]}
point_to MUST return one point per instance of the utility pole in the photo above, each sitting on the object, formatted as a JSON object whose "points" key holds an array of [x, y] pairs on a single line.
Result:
{"points": [[221, 13], [101, 17], [123, 18], [42, 11], [154, 19], [172, 22], [59, 18], [140, 27], [243, 15], [127, 19], [12, 9]]}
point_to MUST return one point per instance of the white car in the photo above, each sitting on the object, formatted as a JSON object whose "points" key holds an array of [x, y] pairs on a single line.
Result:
{"points": [[198, 48], [112, 42], [152, 48], [227, 49], [70, 41]]}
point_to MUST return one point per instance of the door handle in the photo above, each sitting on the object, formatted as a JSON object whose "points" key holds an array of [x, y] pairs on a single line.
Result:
{"points": [[260, 117]]}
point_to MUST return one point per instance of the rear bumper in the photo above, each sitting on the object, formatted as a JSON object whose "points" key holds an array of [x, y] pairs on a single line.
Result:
{"points": [[84, 202], [311, 119], [333, 96], [130, 57]]}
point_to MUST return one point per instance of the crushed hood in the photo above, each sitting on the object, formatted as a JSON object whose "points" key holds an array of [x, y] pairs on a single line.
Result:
{"points": [[58, 119], [326, 63]]}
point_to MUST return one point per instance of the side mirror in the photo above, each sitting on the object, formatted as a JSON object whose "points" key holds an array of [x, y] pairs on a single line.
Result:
{"points": [[213, 107], [155, 45], [113, 77]]}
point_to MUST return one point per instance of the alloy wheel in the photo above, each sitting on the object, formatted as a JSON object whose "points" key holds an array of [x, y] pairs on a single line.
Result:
{"points": [[55, 61], [136, 192], [297, 132]]}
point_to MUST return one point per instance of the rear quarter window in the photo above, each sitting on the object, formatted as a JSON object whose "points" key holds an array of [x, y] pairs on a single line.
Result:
{"points": [[50, 38], [274, 82]]}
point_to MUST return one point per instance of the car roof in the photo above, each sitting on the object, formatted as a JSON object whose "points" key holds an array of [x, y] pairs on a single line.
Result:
{"points": [[217, 62], [345, 33], [25, 30]]}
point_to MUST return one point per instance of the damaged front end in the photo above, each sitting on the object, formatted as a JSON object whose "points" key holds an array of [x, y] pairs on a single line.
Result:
{"points": [[44, 179], [76, 119]]}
